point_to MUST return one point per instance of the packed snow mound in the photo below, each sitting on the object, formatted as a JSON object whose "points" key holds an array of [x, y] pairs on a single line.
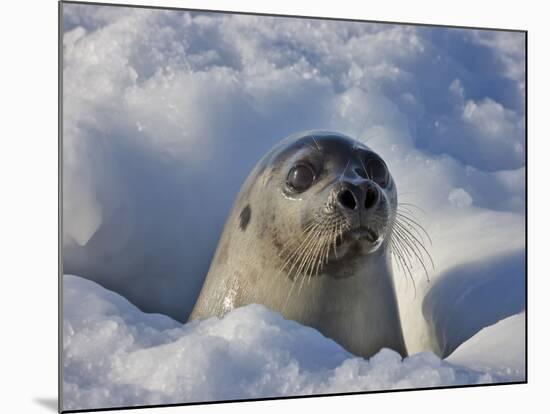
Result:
{"points": [[116, 355], [474, 295], [498, 349]]}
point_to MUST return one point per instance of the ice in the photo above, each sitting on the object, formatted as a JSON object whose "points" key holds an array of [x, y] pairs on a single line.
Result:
{"points": [[116, 355]]}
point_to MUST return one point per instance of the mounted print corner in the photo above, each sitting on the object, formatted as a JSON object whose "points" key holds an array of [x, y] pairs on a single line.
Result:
{"points": [[261, 206]]}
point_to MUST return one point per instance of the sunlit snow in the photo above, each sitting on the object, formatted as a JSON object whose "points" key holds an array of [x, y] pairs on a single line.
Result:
{"points": [[164, 115], [116, 355]]}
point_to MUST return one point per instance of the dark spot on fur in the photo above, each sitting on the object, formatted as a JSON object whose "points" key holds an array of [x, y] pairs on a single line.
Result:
{"points": [[245, 217]]}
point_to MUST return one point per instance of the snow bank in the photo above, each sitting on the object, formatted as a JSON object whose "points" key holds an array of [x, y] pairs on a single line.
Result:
{"points": [[469, 297], [116, 355], [166, 112], [498, 349]]}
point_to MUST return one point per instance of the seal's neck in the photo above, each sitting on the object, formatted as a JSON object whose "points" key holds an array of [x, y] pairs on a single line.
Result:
{"points": [[358, 309]]}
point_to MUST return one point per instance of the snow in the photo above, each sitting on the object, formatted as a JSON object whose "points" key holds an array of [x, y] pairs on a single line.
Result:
{"points": [[460, 198], [498, 349], [166, 112], [116, 355], [164, 115]]}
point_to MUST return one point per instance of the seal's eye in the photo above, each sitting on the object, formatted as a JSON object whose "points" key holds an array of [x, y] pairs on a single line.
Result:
{"points": [[378, 172], [300, 177]]}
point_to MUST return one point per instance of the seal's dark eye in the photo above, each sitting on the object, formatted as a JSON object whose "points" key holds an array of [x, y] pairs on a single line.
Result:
{"points": [[378, 172], [300, 177]]}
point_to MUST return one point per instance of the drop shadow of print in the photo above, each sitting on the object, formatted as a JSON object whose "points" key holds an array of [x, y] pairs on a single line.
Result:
{"points": [[49, 403]]}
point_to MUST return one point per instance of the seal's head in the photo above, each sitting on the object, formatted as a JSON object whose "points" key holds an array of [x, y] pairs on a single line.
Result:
{"points": [[309, 237], [329, 198]]}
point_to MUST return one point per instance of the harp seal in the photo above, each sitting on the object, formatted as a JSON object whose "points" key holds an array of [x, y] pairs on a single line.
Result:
{"points": [[309, 237]]}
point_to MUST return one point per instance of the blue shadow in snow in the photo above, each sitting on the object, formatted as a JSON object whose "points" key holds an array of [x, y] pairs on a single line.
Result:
{"points": [[469, 297]]}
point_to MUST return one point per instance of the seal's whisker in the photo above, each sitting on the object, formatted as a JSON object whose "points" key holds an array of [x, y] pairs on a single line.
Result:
{"points": [[296, 251], [409, 235], [296, 259], [410, 227], [334, 232], [402, 263], [318, 251], [409, 230], [418, 244], [408, 247], [290, 246], [364, 168], [413, 205], [345, 168], [339, 235], [326, 250], [316, 144], [405, 258], [307, 250], [403, 252], [404, 209], [343, 228], [327, 240], [397, 256], [310, 260], [330, 237], [293, 273], [304, 252], [406, 193], [412, 248], [413, 222], [316, 265], [313, 265], [335, 239]]}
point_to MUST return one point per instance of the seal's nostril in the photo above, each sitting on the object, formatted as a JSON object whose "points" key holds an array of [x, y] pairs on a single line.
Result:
{"points": [[371, 197], [347, 199]]}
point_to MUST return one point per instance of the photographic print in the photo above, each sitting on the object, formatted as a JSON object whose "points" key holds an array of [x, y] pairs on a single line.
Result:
{"points": [[262, 206]]}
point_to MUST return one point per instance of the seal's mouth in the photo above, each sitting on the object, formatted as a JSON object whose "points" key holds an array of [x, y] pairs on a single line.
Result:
{"points": [[364, 233], [360, 234]]}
